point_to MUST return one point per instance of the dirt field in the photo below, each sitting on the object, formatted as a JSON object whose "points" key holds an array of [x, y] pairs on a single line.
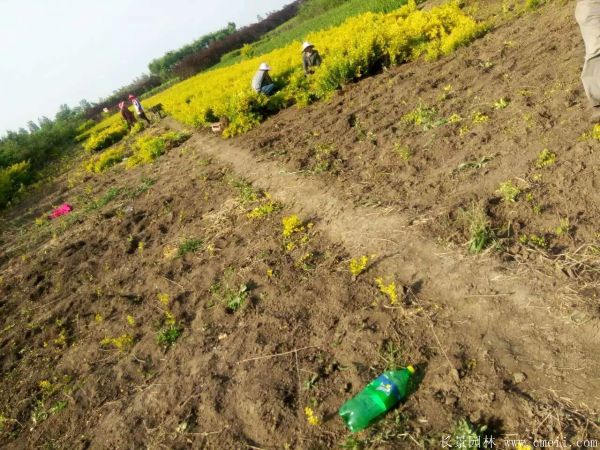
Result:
{"points": [[160, 315]]}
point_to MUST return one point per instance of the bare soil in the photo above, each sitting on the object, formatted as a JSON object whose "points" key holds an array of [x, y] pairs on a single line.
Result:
{"points": [[506, 339]]}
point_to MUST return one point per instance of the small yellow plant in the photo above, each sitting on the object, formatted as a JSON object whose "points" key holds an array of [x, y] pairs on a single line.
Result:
{"points": [[564, 227], [523, 447], [545, 158], [501, 104], [164, 299], [291, 225], [358, 265], [402, 151], [387, 289], [479, 117], [312, 419], [169, 319], [131, 321], [170, 252], [509, 191], [455, 118], [140, 247], [61, 340], [264, 210], [45, 385], [98, 318], [121, 343], [99, 163]]}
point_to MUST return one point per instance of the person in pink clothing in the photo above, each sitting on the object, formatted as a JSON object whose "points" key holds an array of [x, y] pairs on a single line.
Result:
{"points": [[126, 114], [138, 107]]}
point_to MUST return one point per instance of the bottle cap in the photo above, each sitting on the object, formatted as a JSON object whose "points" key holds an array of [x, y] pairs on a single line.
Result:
{"points": [[411, 369]]}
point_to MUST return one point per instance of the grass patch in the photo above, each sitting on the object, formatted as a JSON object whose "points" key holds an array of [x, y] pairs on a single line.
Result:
{"points": [[481, 235]]}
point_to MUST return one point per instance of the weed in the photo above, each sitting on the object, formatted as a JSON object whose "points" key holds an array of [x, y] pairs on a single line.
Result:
{"points": [[545, 158], [533, 4], [168, 335], [481, 236], [352, 443], [324, 156], [391, 353], [358, 266], [131, 321], [533, 240], [361, 133], [424, 117], [564, 228], [310, 382], [144, 186], [246, 193], [446, 93], [403, 152], [476, 164], [110, 195], [40, 413], [509, 192], [387, 289], [189, 246], [466, 436], [236, 300]]}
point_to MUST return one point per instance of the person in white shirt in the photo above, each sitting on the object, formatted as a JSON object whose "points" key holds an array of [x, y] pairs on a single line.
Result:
{"points": [[138, 107]]}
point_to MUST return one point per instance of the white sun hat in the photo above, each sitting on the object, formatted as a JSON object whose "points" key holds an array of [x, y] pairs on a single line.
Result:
{"points": [[264, 67], [306, 45]]}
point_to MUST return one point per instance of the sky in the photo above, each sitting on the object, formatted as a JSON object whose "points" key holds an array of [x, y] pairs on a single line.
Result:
{"points": [[54, 52]]}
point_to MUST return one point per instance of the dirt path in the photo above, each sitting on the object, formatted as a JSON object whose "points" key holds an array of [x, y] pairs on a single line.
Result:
{"points": [[517, 326]]}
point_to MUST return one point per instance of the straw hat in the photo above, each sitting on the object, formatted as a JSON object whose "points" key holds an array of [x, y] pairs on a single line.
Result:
{"points": [[306, 45]]}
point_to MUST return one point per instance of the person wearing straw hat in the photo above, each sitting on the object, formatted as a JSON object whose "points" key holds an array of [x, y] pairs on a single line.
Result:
{"points": [[262, 81], [310, 58]]}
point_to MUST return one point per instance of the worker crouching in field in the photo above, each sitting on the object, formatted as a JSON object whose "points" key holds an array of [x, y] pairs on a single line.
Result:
{"points": [[126, 114], [262, 81], [138, 108], [587, 14], [310, 58]]}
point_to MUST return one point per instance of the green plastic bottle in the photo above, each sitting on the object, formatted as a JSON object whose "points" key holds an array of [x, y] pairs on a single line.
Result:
{"points": [[380, 395]]}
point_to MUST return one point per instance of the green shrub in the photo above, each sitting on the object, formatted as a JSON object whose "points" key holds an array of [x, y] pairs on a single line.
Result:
{"points": [[12, 179]]}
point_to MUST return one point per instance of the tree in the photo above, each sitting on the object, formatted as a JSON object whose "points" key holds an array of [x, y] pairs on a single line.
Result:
{"points": [[33, 127]]}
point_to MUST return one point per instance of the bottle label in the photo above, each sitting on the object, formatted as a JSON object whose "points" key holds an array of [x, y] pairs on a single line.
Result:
{"points": [[384, 384]]}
